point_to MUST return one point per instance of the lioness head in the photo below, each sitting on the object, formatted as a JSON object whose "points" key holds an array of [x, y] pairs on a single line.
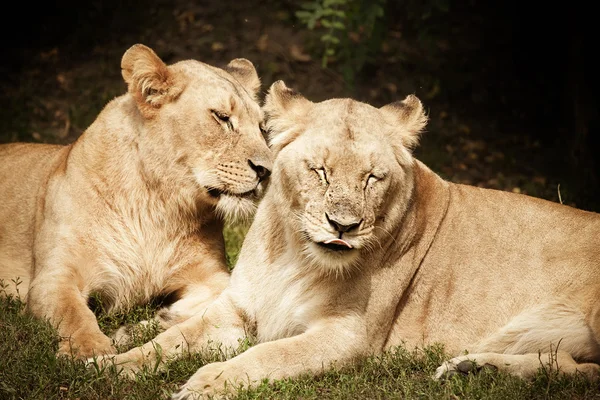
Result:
{"points": [[204, 122], [343, 168]]}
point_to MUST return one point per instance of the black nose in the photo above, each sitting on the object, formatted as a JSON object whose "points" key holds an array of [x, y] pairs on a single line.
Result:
{"points": [[261, 171], [342, 227]]}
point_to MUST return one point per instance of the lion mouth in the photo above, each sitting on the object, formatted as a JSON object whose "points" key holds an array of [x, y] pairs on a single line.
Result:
{"points": [[216, 193], [336, 245]]}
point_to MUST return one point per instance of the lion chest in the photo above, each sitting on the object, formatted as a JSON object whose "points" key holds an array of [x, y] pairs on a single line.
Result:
{"points": [[284, 304], [136, 261]]}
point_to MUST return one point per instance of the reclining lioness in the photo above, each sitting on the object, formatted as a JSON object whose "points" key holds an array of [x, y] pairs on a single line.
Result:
{"points": [[357, 247], [134, 208]]}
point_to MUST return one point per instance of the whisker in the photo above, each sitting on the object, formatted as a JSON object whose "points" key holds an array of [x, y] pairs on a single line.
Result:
{"points": [[386, 232]]}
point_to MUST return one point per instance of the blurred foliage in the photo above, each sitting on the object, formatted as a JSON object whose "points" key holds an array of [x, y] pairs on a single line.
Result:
{"points": [[351, 32]]}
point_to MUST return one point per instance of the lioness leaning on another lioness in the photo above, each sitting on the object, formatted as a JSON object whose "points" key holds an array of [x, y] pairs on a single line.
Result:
{"points": [[134, 208], [357, 247]]}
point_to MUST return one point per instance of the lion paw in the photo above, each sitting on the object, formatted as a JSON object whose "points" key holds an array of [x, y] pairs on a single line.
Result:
{"points": [[130, 335], [86, 347], [462, 365], [208, 382], [100, 362], [126, 369]]}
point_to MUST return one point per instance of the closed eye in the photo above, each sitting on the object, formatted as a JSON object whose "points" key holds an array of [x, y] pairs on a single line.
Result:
{"points": [[222, 118], [322, 175], [220, 115], [263, 131], [371, 179]]}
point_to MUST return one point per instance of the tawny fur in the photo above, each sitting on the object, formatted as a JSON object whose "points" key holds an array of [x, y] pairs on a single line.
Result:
{"points": [[510, 277], [125, 212]]}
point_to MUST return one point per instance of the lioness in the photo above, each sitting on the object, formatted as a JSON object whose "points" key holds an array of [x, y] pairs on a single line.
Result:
{"points": [[134, 208], [357, 247]]}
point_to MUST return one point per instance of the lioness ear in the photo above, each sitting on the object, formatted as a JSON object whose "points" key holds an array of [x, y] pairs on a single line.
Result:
{"points": [[410, 116], [286, 110], [148, 79], [244, 72]]}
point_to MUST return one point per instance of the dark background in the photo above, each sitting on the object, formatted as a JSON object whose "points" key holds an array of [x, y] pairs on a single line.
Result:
{"points": [[511, 88]]}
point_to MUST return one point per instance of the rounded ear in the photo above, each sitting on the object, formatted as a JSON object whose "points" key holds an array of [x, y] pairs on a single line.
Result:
{"points": [[244, 72], [409, 115], [286, 111], [148, 79]]}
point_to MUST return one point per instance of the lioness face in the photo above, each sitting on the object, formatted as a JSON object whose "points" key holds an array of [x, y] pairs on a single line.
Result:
{"points": [[219, 137], [338, 164], [206, 121]]}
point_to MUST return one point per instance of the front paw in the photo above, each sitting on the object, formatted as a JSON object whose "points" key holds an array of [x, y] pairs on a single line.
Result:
{"points": [[211, 381], [86, 346], [462, 365], [122, 363], [128, 336]]}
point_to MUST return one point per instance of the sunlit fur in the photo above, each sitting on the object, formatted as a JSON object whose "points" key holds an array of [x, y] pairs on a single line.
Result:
{"points": [[229, 206], [309, 196], [280, 287], [125, 213], [512, 280], [235, 208]]}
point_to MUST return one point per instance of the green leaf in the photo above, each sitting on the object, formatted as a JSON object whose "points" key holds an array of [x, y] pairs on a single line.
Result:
{"points": [[329, 3], [338, 25], [310, 5], [330, 39], [303, 15], [327, 38], [326, 23]]}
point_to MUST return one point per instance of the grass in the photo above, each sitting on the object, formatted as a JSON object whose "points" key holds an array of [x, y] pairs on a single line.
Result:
{"points": [[30, 370], [234, 236]]}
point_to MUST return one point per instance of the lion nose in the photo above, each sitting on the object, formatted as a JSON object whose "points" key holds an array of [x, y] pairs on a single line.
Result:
{"points": [[261, 171], [342, 227]]}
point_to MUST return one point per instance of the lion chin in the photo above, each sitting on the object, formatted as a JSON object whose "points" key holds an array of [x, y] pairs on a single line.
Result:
{"points": [[237, 208], [231, 206], [332, 260]]}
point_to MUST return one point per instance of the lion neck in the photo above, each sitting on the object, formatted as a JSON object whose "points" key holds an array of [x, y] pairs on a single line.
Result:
{"points": [[413, 232], [127, 169]]}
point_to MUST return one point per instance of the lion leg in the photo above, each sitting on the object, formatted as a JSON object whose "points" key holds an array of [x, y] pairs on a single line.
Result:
{"points": [[60, 300], [203, 283], [195, 300], [193, 287], [332, 344], [522, 365], [14, 275], [552, 334], [219, 327]]}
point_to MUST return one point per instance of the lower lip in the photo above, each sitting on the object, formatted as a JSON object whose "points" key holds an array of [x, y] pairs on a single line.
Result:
{"points": [[334, 247]]}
